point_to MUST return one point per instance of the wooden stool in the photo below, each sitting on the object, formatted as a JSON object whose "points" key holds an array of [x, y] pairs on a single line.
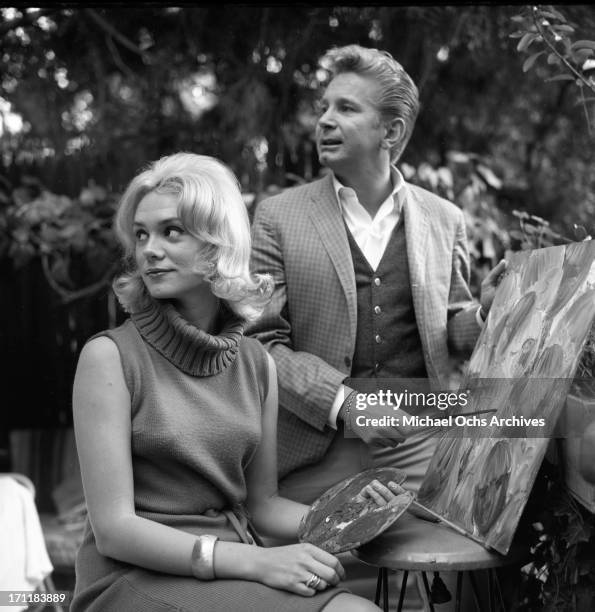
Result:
{"points": [[413, 544]]}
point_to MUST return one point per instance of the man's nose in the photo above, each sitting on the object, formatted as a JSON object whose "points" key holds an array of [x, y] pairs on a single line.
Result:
{"points": [[327, 119]]}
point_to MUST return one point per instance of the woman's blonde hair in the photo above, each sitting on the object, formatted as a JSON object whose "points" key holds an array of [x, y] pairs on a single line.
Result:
{"points": [[211, 208]]}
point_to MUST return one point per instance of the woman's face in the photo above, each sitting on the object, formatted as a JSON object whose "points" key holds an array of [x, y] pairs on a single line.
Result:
{"points": [[166, 254]]}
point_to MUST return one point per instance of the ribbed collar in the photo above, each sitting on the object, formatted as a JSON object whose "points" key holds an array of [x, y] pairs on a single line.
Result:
{"points": [[190, 349]]}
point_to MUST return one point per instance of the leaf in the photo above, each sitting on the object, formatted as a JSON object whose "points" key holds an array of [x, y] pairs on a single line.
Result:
{"points": [[556, 14], [560, 77], [531, 60], [553, 15], [582, 54], [527, 39], [552, 58], [583, 44], [516, 34], [563, 28], [518, 18], [521, 214]]}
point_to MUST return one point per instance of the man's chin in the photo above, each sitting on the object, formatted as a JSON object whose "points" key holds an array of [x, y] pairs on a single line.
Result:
{"points": [[327, 160]]}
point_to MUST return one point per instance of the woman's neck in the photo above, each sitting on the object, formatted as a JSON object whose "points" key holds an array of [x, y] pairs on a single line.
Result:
{"points": [[203, 313]]}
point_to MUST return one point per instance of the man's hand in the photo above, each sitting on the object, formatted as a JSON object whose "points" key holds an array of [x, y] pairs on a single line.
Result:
{"points": [[489, 286], [374, 424]]}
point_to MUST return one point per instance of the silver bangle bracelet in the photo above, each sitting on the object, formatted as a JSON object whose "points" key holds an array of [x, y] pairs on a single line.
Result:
{"points": [[202, 560]]}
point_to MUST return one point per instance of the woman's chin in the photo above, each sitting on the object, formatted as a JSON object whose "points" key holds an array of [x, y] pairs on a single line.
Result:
{"points": [[160, 293]]}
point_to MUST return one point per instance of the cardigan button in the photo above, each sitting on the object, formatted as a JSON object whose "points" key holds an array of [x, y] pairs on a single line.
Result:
{"points": [[377, 309], [377, 281], [378, 338], [347, 362]]}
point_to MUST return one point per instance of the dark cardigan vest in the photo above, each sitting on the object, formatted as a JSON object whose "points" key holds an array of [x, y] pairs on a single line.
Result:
{"points": [[387, 343]]}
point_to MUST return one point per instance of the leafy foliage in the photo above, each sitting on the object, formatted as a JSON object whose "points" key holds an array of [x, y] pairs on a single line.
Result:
{"points": [[561, 574], [73, 238], [547, 29], [103, 90], [468, 180]]}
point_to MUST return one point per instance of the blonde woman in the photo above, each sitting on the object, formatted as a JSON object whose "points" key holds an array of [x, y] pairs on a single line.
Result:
{"points": [[175, 419]]}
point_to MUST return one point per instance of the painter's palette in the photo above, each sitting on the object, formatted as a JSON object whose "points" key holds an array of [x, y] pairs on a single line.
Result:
{"points": [[341, 520]]}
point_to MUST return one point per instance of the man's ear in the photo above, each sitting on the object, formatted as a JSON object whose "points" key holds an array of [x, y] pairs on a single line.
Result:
{"points": [[395, 131]]}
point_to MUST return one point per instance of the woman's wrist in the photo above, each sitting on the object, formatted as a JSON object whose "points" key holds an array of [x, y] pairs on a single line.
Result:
{"points": [[237, 561], [254, 561]]}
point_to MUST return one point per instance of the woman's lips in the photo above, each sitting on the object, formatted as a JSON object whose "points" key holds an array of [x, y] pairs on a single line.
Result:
{"points": [[156, 272]]}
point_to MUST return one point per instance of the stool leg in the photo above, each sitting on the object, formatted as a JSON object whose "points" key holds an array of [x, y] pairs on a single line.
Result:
{"points": [[402, 593], [497, 589], [474, 590], [458, 595], [378, 587], [428, 591], [491, 601], [385, 589]]}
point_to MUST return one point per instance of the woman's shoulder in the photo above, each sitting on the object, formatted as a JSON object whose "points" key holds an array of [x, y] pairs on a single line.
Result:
{"points": [[115, 334], [255, 351], [254, 348], [107, 344]]}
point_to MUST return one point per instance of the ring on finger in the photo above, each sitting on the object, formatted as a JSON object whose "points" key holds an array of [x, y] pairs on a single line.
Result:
{"points": [[313, 581]]}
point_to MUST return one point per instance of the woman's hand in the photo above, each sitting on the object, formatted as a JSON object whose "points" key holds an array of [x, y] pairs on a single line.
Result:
{"points": [[379, 493], [298, 568]]}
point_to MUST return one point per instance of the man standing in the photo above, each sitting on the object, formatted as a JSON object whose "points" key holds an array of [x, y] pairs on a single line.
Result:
{"points": [[371, 281]]}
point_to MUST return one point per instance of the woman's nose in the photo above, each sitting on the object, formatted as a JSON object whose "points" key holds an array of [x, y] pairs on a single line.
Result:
{"points": [[152, 248]]}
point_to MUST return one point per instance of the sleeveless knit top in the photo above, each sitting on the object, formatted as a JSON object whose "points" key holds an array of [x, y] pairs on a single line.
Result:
{"points": [[196, 423], [195, 409]]}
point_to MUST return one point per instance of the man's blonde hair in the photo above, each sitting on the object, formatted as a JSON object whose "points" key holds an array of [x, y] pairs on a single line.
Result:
{"points": [[398, 96]]}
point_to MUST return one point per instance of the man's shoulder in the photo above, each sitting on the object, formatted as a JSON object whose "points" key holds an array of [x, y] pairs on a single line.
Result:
{"points": [[287, 200], [435, 203]]}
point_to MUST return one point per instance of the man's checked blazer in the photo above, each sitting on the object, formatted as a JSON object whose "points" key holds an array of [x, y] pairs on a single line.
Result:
{"points": [[309, 327]]}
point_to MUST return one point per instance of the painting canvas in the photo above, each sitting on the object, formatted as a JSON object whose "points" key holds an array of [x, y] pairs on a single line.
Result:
{"points": [[479, 479]]}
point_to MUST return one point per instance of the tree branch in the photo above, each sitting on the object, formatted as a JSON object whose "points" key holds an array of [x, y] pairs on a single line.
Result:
{"points": [[555, 51], [116, 56], [68, 295], [111, 30]]}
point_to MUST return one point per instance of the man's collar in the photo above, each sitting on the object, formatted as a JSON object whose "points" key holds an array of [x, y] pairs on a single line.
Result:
{"points": [[397, 180]]}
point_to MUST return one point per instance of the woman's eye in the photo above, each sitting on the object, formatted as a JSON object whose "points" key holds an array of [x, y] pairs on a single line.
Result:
{"points": [[172, 231], [140, 235]]}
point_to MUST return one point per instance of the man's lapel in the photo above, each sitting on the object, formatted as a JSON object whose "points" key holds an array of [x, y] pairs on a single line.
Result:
{"points": [[328, 222], [416, 235]]}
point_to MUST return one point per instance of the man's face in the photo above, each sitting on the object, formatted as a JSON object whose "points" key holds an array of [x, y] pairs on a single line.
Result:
{"points": [[349, 132]]}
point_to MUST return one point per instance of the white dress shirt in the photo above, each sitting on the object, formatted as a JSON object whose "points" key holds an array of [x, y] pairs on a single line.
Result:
{"points": [[372, 235]]}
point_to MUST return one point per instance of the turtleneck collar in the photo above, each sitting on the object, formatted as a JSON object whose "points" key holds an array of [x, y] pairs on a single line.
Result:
{"points": [[189, 348]]}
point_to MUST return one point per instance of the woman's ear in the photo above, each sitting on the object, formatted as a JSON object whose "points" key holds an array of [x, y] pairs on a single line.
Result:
{"points": [[394, 132]]}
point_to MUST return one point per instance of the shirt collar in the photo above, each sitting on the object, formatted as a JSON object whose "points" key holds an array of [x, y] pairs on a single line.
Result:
{"points": [[397, 193]]}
